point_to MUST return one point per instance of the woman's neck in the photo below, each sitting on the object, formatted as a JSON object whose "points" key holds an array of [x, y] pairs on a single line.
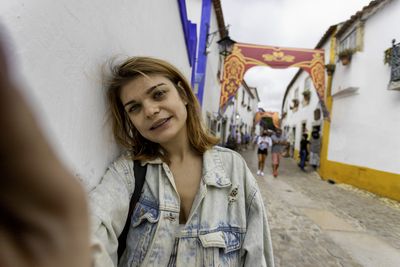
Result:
{"points": [[178, 152]]}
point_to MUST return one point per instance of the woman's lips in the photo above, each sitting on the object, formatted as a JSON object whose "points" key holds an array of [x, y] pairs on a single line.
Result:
{"points": [[159, 123]]}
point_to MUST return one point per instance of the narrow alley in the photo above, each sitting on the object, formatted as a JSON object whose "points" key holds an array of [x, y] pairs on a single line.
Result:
{"points": [[315, 223]]}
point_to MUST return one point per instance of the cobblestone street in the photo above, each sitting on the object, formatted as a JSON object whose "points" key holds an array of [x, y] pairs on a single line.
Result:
{"points": [[315, 223]]}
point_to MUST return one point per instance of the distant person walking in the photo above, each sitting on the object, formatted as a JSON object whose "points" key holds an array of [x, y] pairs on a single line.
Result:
{"points": [[291, 143], [231, 142], [303, 151], [315, 148], [278, 145], [246, 138], [238, 140], [263, 142]]}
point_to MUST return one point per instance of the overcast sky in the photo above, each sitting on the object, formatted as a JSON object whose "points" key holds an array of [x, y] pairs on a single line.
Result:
{"points": [[287, 23]]}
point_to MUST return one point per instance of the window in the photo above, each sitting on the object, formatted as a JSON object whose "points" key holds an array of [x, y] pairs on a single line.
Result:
{"points": [[349, 42], [306, 91], [304, 127], [295, 100], [307, 84], [353, 40], [317, 114]]}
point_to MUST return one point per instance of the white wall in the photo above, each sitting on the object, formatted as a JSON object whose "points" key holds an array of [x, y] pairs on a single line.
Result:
{"points": [[212, 85], [365, 124], [246, 116], [60, 48], [304, 113], [230, 114]]}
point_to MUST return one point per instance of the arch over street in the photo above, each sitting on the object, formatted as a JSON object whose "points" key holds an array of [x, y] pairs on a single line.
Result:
{"points": [[244, 56]]}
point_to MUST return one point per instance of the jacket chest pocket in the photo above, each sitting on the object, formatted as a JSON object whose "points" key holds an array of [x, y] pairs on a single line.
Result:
{"points": [[221, 248], [143, 225]]}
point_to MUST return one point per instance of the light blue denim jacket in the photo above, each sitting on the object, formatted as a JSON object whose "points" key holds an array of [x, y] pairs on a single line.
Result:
{"points": [[227, 225]]}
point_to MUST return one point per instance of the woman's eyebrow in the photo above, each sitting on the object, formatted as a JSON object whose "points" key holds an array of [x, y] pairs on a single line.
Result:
{"points": [[148, 91]]}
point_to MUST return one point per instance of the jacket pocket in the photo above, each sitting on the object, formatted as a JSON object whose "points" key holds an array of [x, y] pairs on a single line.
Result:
{"points": [[221, 248], [143, 225], [144, 212]]}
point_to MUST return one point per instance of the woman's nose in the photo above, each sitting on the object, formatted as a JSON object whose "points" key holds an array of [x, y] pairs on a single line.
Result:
{"points": [[151, 109]]}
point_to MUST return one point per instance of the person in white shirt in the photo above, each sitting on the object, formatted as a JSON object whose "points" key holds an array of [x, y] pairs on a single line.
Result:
{"points": [[263, 142]]}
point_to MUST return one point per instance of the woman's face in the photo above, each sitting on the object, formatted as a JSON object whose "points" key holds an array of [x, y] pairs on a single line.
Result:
{"points": [[156, 109]]}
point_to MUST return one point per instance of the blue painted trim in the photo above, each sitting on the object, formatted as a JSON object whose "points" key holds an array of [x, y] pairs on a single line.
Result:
{"points": [[201, 55], [190, 33]]}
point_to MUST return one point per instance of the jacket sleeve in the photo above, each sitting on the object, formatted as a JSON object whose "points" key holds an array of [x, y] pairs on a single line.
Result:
{"points": [[258, 251], [109, 205]]}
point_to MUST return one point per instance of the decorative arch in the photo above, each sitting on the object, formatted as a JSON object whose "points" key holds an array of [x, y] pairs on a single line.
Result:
{"points": [[244, 56]]}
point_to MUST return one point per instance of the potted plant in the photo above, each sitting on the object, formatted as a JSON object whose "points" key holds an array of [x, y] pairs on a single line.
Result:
{"points": [[388, 56], [295, 103], [345, 55]]}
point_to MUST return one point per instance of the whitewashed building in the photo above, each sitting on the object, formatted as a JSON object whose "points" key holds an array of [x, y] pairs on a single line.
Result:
{"points": [[360, 145], [363, 96], [207, 83], [62, 48], [301, 110], [240, 113], [208, 54]]}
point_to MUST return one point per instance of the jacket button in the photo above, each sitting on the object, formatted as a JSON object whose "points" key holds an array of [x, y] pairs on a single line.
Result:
{"points": [[171, 217]]}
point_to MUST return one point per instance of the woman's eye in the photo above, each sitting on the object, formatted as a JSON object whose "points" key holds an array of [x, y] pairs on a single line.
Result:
{"points": [[133, 108], [159, 94]]}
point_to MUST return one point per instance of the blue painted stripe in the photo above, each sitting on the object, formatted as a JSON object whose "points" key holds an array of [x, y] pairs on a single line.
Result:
{"points": [[201, 55], [190, 33]]}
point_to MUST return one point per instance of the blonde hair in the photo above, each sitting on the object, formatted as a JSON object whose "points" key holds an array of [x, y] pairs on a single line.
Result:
{"points": [[124, 131]]}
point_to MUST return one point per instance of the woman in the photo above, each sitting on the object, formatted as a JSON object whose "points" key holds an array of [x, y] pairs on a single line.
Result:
{"points": [[200, 204], [263, 142], [278, 143]]}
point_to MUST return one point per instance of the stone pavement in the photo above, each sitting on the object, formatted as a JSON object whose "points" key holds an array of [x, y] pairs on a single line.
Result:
{"points": [[315, 223]]}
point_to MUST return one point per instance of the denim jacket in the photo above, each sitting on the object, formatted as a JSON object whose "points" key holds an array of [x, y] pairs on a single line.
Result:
{"points": [[227, 225]]}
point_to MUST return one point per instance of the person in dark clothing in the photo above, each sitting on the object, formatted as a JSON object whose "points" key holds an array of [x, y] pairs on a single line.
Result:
{"points": [[231, 142], [315, 148], [303, 151]]}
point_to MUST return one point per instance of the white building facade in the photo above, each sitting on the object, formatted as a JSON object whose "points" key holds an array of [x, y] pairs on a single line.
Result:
{"points": [[301, 109], [363, 101], [240, 113], [365, 114], [62, 49]]}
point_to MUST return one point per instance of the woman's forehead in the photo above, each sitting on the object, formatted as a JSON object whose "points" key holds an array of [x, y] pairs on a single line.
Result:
{"points": [[141, 85], [148, 80]]}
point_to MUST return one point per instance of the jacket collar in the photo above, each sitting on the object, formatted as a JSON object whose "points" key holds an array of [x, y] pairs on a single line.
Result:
{"points": [[213, 169]]}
